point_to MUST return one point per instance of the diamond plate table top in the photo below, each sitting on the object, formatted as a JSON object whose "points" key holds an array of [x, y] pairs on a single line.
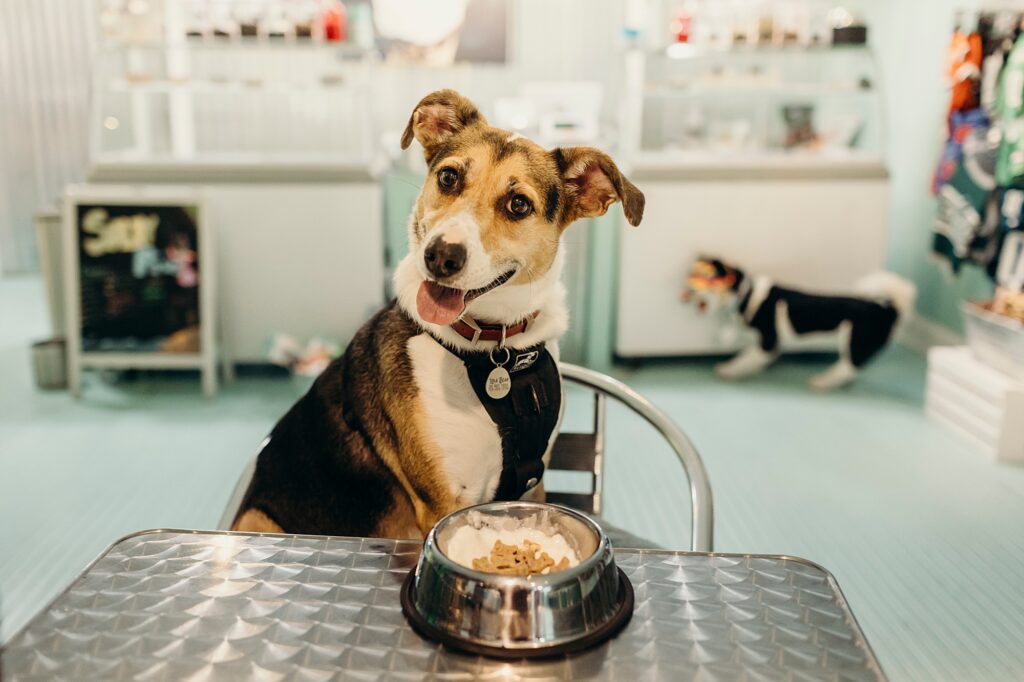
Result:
{"points": [[180, 605]]}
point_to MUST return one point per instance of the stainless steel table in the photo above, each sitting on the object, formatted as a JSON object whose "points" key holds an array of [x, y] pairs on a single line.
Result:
{"points": [[172, 605]]}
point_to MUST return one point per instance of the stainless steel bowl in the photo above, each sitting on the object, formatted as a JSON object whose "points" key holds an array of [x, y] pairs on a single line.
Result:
{"points": [[514, 616]]}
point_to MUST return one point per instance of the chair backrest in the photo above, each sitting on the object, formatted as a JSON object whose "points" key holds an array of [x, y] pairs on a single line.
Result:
{"points": [[584, 452], [580, 452], [701, 505]]}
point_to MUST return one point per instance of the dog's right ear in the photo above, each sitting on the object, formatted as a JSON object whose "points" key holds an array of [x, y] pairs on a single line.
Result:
{"points": [[437, 117], [593, 183]]}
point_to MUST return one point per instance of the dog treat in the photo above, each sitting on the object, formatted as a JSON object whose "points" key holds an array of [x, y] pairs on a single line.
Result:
{"points": [[511, 546], [516, 560]]}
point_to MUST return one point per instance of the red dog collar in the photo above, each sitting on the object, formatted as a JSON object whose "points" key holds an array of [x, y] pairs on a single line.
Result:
{"points": [[474, 331]]}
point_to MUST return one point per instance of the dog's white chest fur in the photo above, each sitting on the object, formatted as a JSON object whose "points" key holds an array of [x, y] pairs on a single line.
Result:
{"points": [[456, 421]]}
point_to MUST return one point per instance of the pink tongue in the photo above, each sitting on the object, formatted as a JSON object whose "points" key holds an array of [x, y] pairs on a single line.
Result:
{"points": [[438, 304]]}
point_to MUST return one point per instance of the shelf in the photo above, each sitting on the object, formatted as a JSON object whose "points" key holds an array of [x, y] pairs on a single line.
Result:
{"points": [[847, 164], [740, 88], [230, 87], [233, 168], [692, 51], [239, 44]]}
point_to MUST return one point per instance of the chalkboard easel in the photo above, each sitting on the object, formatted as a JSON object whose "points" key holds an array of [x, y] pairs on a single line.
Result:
{"points": [[140, 281]]}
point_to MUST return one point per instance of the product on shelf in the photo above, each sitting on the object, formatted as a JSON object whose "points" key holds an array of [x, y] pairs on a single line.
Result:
{"points": [[335, 24], [736, 23], [681, 25], [800, 130]]}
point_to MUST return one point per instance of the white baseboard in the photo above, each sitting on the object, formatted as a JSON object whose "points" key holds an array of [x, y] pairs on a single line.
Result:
{"points": [[920, 334]]}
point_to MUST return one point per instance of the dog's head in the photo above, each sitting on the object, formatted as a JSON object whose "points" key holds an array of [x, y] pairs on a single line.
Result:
{"points": [[492, 211], [711, 281]]}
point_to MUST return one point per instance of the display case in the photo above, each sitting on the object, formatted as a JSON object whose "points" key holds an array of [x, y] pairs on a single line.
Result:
{"points": [[755, 129], [765, 84], [263, 106], [759, 105], [235, 85]]}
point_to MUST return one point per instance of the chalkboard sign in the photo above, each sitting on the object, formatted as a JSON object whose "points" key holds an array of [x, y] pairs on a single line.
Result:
{"points": [[139, 278], [138, 286]]}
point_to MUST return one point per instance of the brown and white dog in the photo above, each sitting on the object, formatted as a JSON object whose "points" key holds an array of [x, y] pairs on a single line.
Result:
{"points": [[450, 396]]}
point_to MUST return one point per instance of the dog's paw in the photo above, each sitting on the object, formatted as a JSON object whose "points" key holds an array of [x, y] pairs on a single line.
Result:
{"points": [[820, 384], [837, 376], [728, 372], [825, 383]]}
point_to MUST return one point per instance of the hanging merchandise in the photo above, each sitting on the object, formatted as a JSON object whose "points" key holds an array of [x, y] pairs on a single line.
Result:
{"points": [[982, 164], [998, 34], [959, 220], [1009, 108], [1004, 218], [961, 125], [964, 182], [682, 26], [963, 69]]}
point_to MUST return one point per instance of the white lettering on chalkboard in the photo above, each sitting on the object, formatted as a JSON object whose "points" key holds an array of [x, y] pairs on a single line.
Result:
{"points": [[124, 234]]}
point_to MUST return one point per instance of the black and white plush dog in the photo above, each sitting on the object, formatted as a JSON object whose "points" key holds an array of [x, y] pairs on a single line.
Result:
{"points": [[863, 323]]}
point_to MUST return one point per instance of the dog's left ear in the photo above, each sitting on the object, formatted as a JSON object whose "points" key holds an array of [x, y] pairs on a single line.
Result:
{"points": [[437, 117], [593, 182]]}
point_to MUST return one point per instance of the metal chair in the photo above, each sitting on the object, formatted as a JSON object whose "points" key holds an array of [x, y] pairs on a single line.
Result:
{"points": [[584, 452]]}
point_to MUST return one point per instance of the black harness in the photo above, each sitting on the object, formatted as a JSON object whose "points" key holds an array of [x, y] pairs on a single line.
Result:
{"points": [[526, 417]]}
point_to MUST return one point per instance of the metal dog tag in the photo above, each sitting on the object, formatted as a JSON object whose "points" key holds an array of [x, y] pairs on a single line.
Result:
{"points": [[499, 383]]}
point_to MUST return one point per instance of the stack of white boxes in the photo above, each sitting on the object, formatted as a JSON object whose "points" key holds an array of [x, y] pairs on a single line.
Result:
{"points": [[979, 403]]}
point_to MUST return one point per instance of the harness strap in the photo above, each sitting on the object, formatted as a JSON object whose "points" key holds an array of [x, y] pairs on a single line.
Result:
{"points": [[525, 418]]}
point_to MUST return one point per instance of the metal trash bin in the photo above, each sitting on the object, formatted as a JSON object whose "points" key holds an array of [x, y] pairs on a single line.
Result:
{"points": [[50, 245], [49, 363]]}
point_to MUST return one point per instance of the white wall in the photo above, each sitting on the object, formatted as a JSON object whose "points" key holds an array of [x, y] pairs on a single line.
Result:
{"points": [[46, 48]]}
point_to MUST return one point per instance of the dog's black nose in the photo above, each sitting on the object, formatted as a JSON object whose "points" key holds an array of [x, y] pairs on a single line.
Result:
{"points": [[444, 259]]}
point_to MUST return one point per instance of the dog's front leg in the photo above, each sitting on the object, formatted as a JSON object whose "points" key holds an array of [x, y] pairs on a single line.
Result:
{"points": [[748, 362]]}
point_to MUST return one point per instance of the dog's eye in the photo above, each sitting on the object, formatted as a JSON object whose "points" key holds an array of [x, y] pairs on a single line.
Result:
{"points": [[519, 206], [447, 178]]}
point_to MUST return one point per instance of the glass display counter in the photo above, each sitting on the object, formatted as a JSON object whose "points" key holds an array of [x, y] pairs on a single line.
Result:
{"points": [[756, 144]]}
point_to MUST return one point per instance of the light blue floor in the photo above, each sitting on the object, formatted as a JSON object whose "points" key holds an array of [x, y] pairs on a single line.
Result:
{"points": [[925, 536]]}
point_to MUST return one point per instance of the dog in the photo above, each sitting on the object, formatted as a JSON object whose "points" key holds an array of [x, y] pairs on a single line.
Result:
{"points": [[863, 323], [450, 396]]}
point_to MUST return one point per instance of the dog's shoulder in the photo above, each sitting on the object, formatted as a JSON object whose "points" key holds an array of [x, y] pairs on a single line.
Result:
{"points": [[327, 447], [381, 343]]}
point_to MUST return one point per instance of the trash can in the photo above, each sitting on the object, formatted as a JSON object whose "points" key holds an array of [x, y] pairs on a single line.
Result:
{"points": [[49, 362], [50, 245]]}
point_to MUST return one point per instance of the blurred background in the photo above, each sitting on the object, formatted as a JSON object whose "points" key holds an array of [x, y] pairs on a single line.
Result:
{"points": [[207, 197]]}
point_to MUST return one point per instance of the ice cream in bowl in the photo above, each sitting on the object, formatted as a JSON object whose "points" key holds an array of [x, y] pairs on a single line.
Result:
{"points": [[517, 580]]}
